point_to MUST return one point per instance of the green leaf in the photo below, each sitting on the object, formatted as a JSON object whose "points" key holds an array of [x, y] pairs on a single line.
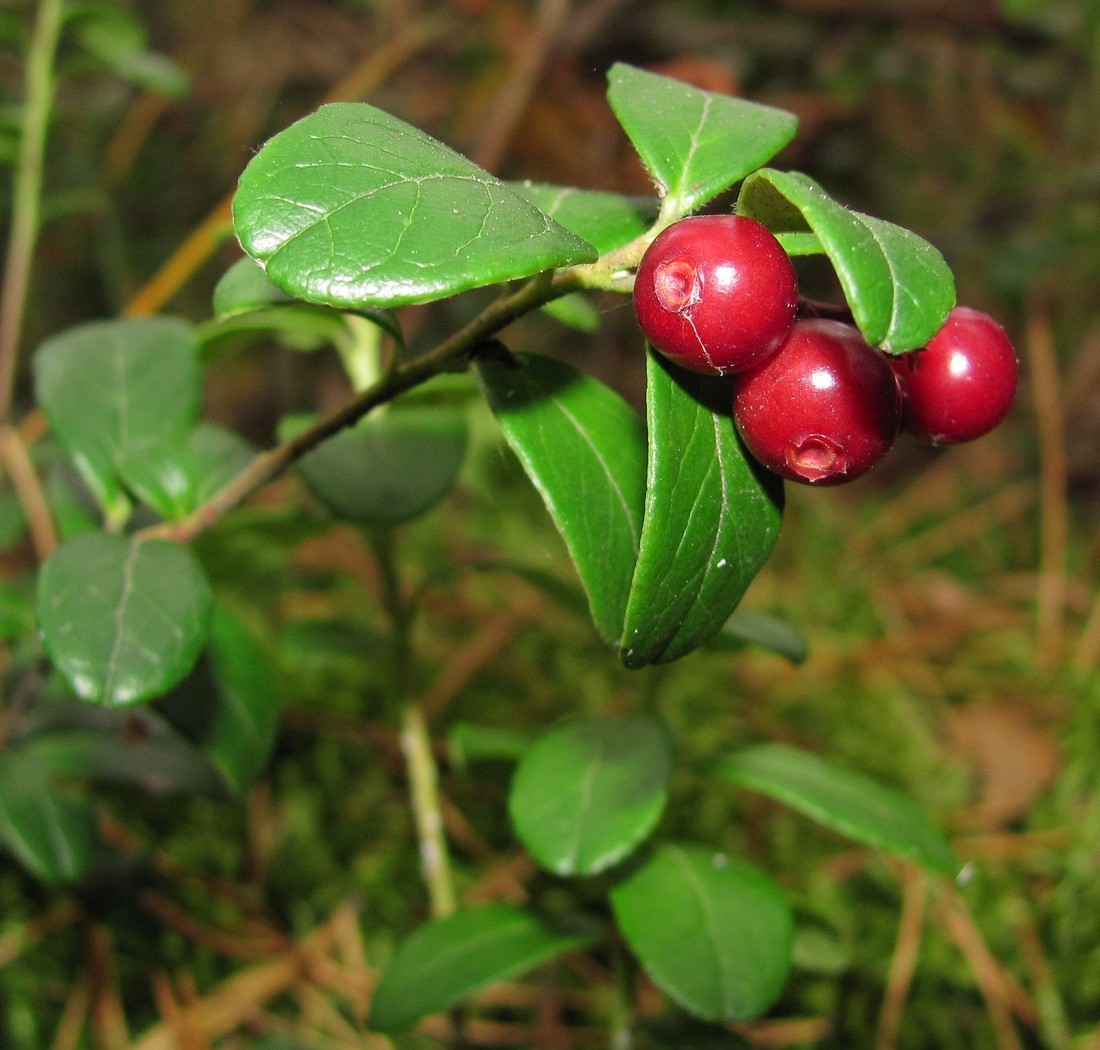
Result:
{"points": [[245, 300], [388, 468], [586, 794], [244, 287], [694, 143], [713, 932], [897, 285], [52, 834], [575, 311], [241, 731], [583, 448], [121, 396], [117, 38], [449, 959], [351, 206], [711, 518], [767, 632], [849, 803], [210, 458], [122, 619], [604, 220], [468, 742]]}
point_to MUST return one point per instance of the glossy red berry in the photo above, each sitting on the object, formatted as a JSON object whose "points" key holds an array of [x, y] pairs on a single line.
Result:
{"points": [[823, 410], [962, 384], [716, 293]]}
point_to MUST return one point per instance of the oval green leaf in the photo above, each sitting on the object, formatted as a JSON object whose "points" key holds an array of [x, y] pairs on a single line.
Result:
{"points": [[244, 287], [583, 447], [52, 834], [122, 619], [240, 731], [849, 803], [351, 206], [449, 959], [605, 220], [897, 285], [767, 632], [711, 518], [713, 932], [694, 143], [119, 395], [586, 794], [387, 469]]}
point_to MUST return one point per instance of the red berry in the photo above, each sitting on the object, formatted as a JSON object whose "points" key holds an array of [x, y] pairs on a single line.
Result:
{"points": [[716, 293], [823, 410], [962, 384]]}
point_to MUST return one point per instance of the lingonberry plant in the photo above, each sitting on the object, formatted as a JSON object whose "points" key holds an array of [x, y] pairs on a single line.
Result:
{"points": [[344, 217]]}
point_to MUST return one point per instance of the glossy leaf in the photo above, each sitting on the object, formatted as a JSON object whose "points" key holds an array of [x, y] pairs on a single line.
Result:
{"points": [[387, 469], [583, 448], [897, 285], [351, 206], [119, 395], [122, 619], [712, 932], [849, 803], [50, 832], [694, 143], [604, 220], [767, 632], [449, 959], [711, 518], [241, 731], [586, 794]]}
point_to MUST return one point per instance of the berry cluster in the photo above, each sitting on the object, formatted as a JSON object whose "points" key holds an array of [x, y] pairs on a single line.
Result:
{"points": [[812, 401]]}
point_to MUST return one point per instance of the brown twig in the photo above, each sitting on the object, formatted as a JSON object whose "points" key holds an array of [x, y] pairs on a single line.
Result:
{"points": [[237, 999], [903, 964], [1001, 992], [28, 487], [268, 465], [108, 1017], [74, 1014]]}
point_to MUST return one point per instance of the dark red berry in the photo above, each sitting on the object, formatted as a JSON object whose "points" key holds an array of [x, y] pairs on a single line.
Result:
{"points": [[823, 410], [716, 293], [962, 384]]}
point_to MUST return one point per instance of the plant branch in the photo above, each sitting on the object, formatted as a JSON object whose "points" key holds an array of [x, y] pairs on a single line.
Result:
{"points": [[399, 379], [28, 487], [27, 193]]}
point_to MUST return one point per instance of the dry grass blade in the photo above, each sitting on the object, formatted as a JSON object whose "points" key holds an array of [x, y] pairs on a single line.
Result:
{"points": [[903, 965], [204, 240], [1001, 992], [244, 995]]}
